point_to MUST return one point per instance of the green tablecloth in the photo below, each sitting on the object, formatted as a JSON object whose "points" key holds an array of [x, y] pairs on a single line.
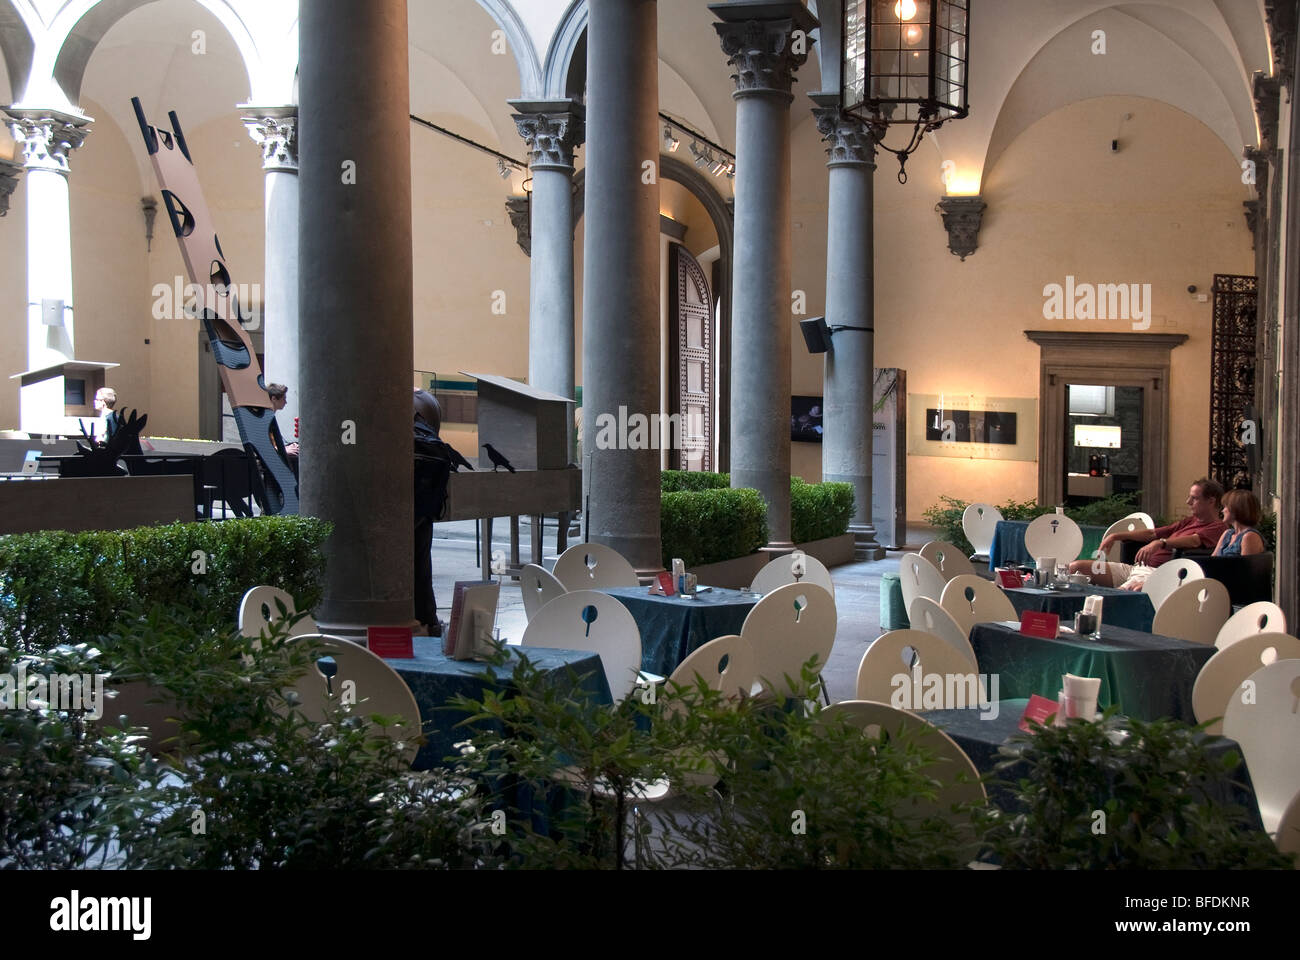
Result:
{"points": [[435, 678], [1120, 608], [1008, 549], [672, 627], [1148, 675]]}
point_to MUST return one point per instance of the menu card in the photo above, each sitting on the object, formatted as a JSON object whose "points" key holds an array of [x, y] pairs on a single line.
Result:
{"points": [[1009, 578], [1038, 709], [392, 642], [1034, 623], [663, 585]]}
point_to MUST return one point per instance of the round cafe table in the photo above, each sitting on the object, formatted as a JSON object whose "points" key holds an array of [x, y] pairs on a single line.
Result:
{"points": [[671, 627]]}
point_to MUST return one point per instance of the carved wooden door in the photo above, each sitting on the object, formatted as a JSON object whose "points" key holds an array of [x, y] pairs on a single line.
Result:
{"points": [[691, 363]]}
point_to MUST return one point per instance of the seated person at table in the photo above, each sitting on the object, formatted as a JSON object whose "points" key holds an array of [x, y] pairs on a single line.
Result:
{"points": [[1201, 530], [1241, 513]]}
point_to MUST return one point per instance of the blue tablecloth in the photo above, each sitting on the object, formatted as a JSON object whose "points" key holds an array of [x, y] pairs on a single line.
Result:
{"points": [[1148, 675], [1008, 548], [980, 735], [1120, 608], [434, 679], [672, 627]]}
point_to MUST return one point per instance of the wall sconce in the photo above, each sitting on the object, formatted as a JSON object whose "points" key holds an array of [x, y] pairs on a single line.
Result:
{"points": [[150, 207], [962, 217]]}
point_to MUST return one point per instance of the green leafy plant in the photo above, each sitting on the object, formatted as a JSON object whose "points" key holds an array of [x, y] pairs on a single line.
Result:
{"points": [[1123, 794], [58, 587], [1267, 528], [708, 526], [819, 510], [676, 481]]}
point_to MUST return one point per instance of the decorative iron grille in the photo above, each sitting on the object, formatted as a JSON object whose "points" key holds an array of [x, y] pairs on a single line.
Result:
{"points": [[1234, 439]]}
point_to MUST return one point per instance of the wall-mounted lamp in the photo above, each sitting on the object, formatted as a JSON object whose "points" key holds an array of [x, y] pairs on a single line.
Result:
{"points": [[962, 217], [150, 207], [817, 333]]}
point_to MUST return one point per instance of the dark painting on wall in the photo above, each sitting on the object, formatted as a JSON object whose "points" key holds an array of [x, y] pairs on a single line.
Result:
{"points": [[806, 419], [970, 426]]}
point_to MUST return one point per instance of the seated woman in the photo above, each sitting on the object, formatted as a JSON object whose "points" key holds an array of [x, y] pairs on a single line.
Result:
{"points": [[1241, 539]]}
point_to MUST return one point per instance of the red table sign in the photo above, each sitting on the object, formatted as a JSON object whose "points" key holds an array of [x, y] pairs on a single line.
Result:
{"points": [[664, 582], [1034, 623], [1038, 709], [1010, 578], [392, 642]]}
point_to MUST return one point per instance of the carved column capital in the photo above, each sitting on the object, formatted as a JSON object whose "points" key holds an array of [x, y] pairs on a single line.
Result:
{"points": [[8, 182], [962, 218], [1281, 17], [1267, 91], [764, 52], [551, 131], [47, 136], [852, 140], [275, 130], [520, 218]]}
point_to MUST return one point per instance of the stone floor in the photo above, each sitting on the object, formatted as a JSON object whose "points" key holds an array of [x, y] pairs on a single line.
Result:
{"points": [[857, 594]]}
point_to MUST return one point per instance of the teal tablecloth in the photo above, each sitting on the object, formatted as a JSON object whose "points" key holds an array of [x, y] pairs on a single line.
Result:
{"points": [[1148, 675], [1120, 608], [981, 735], [1008, 549], [672, 627], [435, 679]]}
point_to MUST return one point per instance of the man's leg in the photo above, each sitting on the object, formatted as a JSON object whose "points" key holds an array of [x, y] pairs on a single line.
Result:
{"points": [[1103, 573], [426, 604]]}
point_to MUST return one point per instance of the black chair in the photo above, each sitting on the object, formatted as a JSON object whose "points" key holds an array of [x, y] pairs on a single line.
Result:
{"points": [[1248, 579], [231, 474], [174, 465]]}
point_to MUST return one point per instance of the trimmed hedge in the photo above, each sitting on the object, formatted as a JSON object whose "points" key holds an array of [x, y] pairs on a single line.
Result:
{"points": [[675, 481], [60, 587], [819, 510], [709, 526]]}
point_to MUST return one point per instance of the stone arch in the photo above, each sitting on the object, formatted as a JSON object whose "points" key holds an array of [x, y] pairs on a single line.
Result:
{"points": [[568, 46], [17, 44], [83, 23], [530, 71], [722, 217]]}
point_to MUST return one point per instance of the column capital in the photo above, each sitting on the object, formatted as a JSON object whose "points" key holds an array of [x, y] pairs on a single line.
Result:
{"points": [[8, 182], [552, 130], [962, 218], [1281, 17], [275, 130], [765, 42], [47, 136], [852, 140], [518, 209]]}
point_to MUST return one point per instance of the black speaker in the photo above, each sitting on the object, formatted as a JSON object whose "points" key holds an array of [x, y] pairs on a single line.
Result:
{"points": [[816, 334]]}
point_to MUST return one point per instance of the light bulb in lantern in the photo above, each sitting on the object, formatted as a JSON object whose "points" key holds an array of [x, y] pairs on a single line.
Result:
{"points": [[905, 9], [912, 34]]}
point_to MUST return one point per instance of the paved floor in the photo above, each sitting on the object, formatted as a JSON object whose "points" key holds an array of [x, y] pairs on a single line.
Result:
{"points": [[857, 594]]}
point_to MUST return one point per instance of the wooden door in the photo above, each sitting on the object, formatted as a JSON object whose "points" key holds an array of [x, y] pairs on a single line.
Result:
{"points": [[691, 376]]}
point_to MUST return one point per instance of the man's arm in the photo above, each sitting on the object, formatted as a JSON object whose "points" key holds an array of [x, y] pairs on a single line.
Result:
{"points": [[1139, 536]]}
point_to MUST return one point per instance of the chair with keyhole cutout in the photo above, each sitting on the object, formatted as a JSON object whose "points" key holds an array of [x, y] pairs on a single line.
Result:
{"points": [[1054, 535], [347, 673], [917, 577], [971, 600], [979, 521], [1263, 716], [1195, 612], [1130, 524], [1168, 577], [959, 779], [1288, 830], [903, 663], [593, 621], [1222, 675], [927, 615], [787, 627], [947, 559], [593, 566], [262, 606], [725, 664], [1263, 616], [539, 587], [779, 572]]}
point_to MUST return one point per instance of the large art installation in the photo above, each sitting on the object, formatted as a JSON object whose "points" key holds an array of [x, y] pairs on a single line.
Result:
{"points": [[241, 375]]}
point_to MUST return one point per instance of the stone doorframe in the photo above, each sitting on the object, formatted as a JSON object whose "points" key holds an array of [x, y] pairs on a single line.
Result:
{"points": [[1110, 359]]}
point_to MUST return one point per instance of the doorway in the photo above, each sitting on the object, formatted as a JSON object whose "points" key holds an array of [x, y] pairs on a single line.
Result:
{"points": [[1103, 441], [691, 364]]}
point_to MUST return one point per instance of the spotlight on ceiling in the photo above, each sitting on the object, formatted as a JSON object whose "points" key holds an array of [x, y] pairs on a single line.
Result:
{"points": [[502, 169], [672, 141]]}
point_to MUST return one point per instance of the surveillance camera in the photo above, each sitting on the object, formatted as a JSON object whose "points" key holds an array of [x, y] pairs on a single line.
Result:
{"points": [[1191, 288], [1114, 146]]}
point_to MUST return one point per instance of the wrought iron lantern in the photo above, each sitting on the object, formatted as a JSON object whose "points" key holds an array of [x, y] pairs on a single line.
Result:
{"points": [[905, 63]]}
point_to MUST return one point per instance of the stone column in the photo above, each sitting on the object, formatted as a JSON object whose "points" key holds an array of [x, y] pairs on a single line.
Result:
{"points": [[849, 419], [275, 129], [764, 54], [355, 285], [620, 342], [47, 138], [551, 131]]}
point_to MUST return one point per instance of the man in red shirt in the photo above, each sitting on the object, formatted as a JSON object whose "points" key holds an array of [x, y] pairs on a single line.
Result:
{"points": [[1202, 529]]}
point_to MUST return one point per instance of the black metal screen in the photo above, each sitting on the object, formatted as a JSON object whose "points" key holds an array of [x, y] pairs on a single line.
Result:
{"points": [[1234, 436]]}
